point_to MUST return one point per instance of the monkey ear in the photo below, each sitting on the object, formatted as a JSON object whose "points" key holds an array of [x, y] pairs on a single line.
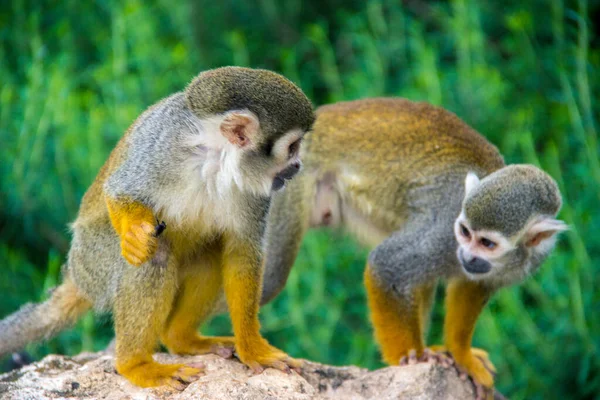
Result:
{"points": [[471, 182], [542, 230], [240, 128]]}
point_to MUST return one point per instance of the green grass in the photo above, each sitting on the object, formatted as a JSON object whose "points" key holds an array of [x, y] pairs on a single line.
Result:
{"points": [[74, 75]]}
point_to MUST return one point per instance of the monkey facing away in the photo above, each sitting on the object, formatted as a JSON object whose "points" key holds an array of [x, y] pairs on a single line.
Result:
{"points": [[393, 172], [206, 161]]}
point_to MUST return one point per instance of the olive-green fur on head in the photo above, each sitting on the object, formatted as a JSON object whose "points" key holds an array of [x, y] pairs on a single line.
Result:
{"points": [[277, 102], [505, 200]]}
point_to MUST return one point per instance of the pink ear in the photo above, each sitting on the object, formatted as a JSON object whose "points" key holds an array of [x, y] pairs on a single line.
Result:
{"points": [[239, 128], [542, 230]]}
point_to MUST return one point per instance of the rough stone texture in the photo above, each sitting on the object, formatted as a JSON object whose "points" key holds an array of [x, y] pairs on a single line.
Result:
{"points": [[92, 376]]}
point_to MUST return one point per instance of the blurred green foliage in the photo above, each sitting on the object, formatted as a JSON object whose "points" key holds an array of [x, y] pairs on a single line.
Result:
{"points": [[74, 75]]}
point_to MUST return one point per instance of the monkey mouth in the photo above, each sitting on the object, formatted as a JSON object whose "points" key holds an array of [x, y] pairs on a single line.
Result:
{"points": [[278, 183], [282, 177], [475, 266]]}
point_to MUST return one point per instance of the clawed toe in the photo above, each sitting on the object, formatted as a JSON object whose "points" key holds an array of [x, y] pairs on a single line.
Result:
{"points": [[224, 352]]}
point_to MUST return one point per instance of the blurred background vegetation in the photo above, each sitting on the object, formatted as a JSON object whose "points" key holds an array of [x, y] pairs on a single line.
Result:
{"points": [[74, 75]]}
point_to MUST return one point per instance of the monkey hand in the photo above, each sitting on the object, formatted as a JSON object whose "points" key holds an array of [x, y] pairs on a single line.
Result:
{"points": [[135, 224], [138, 242], [259, 354]]}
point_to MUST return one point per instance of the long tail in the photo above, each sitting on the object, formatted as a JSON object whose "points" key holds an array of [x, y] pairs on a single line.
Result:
{"points": [[34, 322]]}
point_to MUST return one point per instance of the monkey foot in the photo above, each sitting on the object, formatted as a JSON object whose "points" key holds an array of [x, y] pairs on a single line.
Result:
{"points": [[428, 356], [150, 374], [476, 365], [259, 355], [480, 354], [196, 345], [138, 243]]}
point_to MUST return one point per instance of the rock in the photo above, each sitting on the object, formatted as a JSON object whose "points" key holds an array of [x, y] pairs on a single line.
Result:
{"points": [[93, 376]]}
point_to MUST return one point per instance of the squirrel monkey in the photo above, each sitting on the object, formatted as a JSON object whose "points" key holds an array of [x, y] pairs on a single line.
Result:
{"points": [[206, 161], [393, 172]]}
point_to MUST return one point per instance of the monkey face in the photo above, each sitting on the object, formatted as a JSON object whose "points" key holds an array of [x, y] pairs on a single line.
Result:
{"points": [[273, 162], [506, 246], [264, 158], [480, 253]]}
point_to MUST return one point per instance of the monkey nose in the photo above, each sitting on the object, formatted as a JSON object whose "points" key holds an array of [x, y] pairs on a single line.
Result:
{"points": [[478, 266], [291, 170], [467, 257]]}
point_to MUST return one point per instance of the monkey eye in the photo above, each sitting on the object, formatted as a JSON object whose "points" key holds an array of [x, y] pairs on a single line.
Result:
{"points": [[487, 243], [465, 232], [293, 149]]}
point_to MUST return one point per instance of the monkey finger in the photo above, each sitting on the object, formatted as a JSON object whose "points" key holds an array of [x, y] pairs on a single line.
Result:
{"points": [[147, 228], [143, 236], [187, 379], [462, 374], [477, 352], [256, 367], [136, 232], [430, 357], [188, 375], [133, 250], [294, 363], [412, 357], [403, 361], [132, 243], [144, 243], [443, 361], [298, 370], [446, 361], [131, 259], [197, 365], [487, 364], [426, 356], [280, 365], [176, 384], [131, 237]]}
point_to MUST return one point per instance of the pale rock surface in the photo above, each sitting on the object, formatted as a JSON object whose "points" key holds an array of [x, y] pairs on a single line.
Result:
{"points": [[92, 376]]}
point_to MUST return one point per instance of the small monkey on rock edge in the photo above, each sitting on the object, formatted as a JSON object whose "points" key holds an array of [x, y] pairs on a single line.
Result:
{"points": [[434, 201], [206, 161]]}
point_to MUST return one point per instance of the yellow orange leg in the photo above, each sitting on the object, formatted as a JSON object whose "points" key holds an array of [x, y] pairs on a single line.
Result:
{"points": [[464, 302], [396, 321], [140, 313], [201, 288], [242, 281]]}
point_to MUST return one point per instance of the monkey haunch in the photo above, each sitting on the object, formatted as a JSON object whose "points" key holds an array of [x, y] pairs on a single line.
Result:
{"points": [[392, 172], [205, 161]]}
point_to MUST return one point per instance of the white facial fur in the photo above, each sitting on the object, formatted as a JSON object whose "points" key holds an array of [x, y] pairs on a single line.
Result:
{"points": [[217, 158], [211, 174], [472, 246]]}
